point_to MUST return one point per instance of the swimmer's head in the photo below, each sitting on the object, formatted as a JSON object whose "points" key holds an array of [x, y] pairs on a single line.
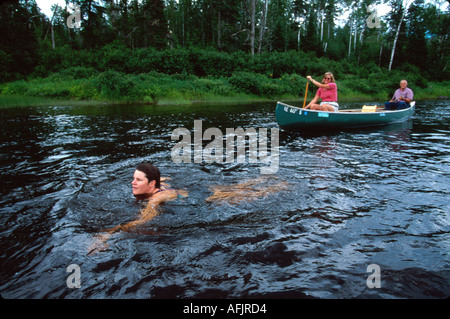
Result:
{"points": [[146, 179]]}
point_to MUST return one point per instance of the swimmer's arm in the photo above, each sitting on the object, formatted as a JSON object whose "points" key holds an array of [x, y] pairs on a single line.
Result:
{"points": [[147, 214], [151, 210], [145, 217]]}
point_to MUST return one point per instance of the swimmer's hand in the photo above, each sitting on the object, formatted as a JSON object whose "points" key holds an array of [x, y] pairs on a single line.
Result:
{"points": [[100, 240], [182, 194], [99, 244]]}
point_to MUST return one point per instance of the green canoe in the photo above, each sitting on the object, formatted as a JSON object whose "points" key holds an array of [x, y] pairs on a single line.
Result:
{"points": [[295, 118]]}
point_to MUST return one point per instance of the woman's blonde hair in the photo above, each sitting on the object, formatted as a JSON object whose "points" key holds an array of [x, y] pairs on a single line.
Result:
{"points": [[331, 75]]}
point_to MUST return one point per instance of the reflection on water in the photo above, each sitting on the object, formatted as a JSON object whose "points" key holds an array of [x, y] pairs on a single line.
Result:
{"points": [[339, 202]]}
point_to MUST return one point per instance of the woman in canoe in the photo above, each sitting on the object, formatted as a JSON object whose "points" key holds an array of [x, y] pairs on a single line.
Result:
{"points": [[327, 92]]}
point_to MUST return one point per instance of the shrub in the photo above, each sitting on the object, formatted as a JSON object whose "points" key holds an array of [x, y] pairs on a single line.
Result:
{"points": [[213, 63], [112, 57], [114, 85], [50, 89], [212, 86], [152, 94], [293, 84], [272, 89], [84, 91], [143, 60], [73, 72], [15, 88], [249, 83], [79, 72], [175, 61]]}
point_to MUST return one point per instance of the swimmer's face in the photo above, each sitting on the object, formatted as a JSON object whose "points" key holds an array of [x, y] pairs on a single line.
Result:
{"points": [[141, 185]]}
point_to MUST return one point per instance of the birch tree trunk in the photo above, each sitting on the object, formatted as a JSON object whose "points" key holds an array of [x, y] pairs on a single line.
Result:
{"points": [[219, 32], [381, 53], [321, 25], [51, 28], [396, 37], [68, 29], [262, 26], [53, 37], [350, 41], [252, 32]]}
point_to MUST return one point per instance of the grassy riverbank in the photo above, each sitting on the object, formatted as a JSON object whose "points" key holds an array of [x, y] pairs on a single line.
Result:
{"points": [[82, 85], [121, 75]]}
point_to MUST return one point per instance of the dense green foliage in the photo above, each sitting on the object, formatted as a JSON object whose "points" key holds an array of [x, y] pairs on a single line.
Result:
{"points": [[155, 50], [151, 76]]}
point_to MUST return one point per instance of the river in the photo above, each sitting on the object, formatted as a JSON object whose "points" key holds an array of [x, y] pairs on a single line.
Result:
{"points": [[356, 199]]}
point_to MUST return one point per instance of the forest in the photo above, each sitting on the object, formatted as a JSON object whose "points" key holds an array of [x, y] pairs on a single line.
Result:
{"points": [[183, 50]]}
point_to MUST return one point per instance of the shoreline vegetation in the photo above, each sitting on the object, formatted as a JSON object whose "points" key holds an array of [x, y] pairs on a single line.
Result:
{"points": [[7, 101], [188, 77]]}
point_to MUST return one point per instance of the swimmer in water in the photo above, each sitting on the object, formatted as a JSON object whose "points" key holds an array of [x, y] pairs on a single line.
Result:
{"points": [[149, 186], [146, 185]]}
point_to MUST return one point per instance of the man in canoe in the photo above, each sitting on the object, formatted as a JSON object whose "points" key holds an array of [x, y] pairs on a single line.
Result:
{"points": [[327, 92], [401, 99]]}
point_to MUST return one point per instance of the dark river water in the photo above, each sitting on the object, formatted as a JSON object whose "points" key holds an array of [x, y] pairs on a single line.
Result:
{"points": [[377, 196]]}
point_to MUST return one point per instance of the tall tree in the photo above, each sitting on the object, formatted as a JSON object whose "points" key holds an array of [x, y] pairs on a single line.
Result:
{"points": [[278, 23], [19, 21], [253, 26], [311, 40], [300, 10], [398, 8], [227, 15], [417, 45], [262, 25], [154, 24]]}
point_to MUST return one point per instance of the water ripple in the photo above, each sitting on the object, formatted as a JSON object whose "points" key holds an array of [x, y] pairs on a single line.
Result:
{"points": [[355, 198]]}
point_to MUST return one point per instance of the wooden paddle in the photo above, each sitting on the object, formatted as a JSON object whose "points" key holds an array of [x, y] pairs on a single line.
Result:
{"points": [[306, 94]]}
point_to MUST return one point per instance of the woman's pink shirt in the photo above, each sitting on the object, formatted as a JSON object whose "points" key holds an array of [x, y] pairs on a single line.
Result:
{"points": [[329, 95]]}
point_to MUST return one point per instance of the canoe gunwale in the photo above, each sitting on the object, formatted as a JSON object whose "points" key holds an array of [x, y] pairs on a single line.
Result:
{"points": [[350, 111]]}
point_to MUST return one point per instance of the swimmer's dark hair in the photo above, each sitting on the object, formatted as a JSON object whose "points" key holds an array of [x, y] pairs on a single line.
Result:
{"points": [[151, 172]]}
